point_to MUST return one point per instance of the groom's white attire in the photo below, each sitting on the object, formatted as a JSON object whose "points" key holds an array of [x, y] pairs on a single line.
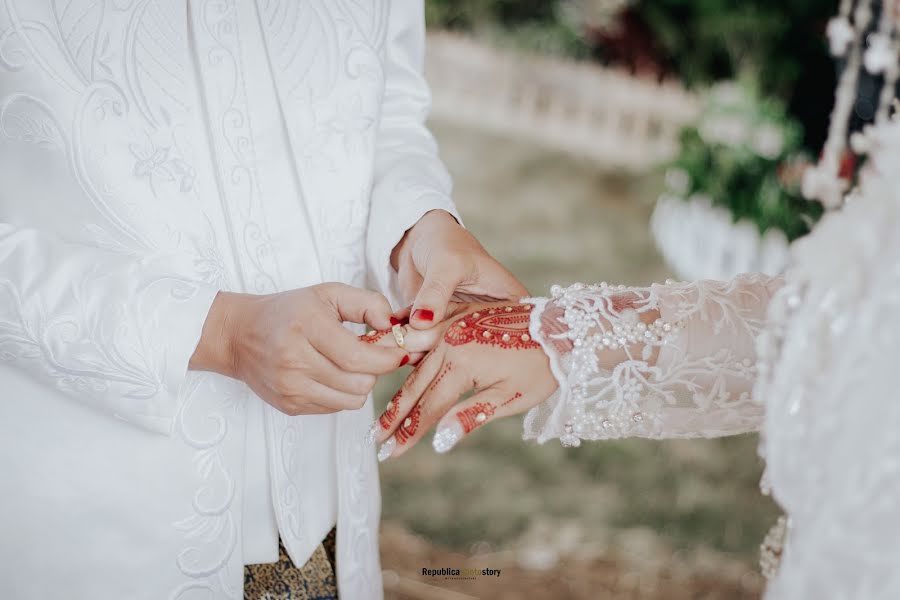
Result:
{"points": [[153, 152]]}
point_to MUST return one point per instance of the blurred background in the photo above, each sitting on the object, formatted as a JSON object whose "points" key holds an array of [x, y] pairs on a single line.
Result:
{"points": [[627, 141]]}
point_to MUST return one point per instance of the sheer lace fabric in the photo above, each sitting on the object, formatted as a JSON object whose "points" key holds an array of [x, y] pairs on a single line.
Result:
{"points": [[673, 360], [826, 372]]}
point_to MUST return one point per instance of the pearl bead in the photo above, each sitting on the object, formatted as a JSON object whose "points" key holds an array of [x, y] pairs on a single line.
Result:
{"points": [[462, 324], [525, 337], [509, 309], [506, 337], [476, 315], [407, 422], [480, 417], [486, 334]]}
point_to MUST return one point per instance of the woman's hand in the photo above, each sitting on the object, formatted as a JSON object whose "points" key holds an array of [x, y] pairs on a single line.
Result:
{"points": [[488, 349]]}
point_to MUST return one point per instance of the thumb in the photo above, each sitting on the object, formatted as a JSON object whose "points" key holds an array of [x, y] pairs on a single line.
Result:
{"points": [[430, 305]]}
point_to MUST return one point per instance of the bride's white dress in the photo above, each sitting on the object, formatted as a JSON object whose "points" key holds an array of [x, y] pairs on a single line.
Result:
{"points": [[810, 359]]}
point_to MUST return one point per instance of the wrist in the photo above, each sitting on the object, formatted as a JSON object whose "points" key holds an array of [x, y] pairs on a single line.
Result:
{"points": [[426, 226], [215, 350]]}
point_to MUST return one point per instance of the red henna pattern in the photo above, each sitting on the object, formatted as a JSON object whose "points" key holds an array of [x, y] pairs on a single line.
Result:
{"points": [[374, 336], [409, 425], [514, 397], [469, 416], [437, 380], [505, 326], [390, 411]]}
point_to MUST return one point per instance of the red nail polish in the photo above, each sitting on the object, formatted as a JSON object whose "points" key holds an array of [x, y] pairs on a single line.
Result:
{"points": [[424, 314], [396, 321], [404, 360]]}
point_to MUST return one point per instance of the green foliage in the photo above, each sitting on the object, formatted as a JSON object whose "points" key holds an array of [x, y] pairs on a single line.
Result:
{"points": [[745, 154], [770, 40], [775, 47], [530, 25]]}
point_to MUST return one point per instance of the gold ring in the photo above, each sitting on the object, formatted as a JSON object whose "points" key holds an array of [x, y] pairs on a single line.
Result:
{"points": [[398, 331]]}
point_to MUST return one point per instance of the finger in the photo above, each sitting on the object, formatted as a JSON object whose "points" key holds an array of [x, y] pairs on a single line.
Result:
{"points": [[316, 393], [414, 340], [416, 357], [407, 396], [495, 281], [358, 305], [316, 399], [469, 415], [402, 315], [330, 375], [440, 396], [441, 280], [349, 353]]}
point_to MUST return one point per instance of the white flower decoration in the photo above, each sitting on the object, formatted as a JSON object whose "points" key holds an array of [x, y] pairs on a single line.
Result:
{"points": [[880, 54], [840, 34], [825, 187], [768, 142], [678, 181]]}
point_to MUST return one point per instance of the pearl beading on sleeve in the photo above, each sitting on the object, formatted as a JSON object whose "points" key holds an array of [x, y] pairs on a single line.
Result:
{"points": [[659, 386]]}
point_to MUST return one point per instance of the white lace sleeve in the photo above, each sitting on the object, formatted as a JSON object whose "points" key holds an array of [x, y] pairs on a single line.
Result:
{"points": [[673, 360]]}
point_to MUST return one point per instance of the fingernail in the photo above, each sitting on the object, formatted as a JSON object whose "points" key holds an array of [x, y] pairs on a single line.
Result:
{"points": [[404, 360], [447, 436], [372, 433], [387, 449], [396, 321], [424, 314]]}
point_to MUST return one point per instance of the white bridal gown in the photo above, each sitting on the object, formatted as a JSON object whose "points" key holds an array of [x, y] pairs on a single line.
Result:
{"points": [[811, 360], [152, 153]]}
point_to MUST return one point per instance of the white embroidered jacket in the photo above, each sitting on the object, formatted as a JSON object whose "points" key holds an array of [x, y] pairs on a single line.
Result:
{"points": [[809, 359], [153, 152]]}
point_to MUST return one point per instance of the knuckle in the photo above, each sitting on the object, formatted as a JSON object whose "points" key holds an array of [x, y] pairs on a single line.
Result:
{"points": [[456, 264], [326, 291], [283, 383], [353, 360], [288, 406], [439, 286], [285, 360], [363, 384]]}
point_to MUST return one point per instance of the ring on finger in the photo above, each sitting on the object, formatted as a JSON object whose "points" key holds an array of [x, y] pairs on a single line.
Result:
{"points": [[399, 332]]}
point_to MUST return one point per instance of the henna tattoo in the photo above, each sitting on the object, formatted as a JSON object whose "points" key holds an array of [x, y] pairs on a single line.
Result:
{"points": [[374, 336], [390, 411], [417, 371], [512, 398], [474, 416], [437, 380], [409, 425], [505, 326]]}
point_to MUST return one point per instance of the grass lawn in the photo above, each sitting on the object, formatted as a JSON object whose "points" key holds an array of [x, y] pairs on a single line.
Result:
{"points": [[686, 507]]}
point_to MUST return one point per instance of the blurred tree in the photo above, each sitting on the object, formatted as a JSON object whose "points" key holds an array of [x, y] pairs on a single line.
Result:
{"points": [[778, 43]]}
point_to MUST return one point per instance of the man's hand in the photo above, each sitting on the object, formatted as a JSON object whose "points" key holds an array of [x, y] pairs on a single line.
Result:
{"points": [[438, 261], [292, 350]]}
